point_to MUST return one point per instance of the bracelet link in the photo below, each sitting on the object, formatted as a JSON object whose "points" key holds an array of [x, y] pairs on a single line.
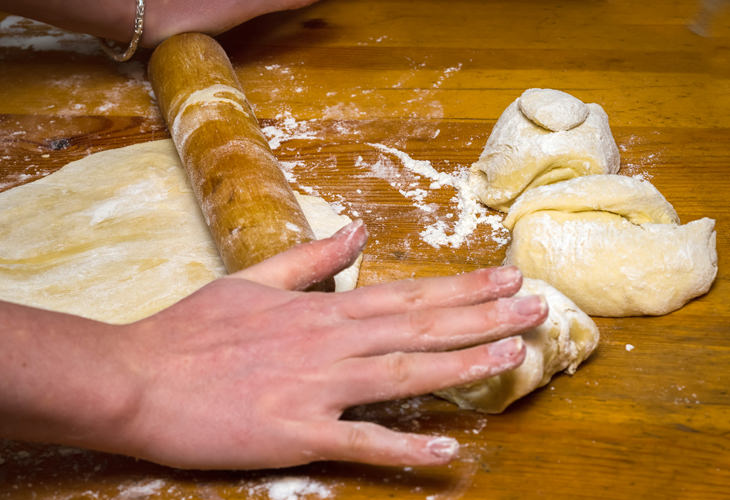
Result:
{"points": [[112, 51]]}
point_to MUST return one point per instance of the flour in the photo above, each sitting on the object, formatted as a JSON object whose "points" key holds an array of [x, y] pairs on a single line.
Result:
{"points": [[288, 168], [292, 488], [125, 92], [206, 102], [446, 75], [470, 212], [634, 165], [287, 129], [140, 490]]}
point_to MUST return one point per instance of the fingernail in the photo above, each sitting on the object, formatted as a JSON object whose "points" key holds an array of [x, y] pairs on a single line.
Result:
{"points": [[505, 275], [347, 231], [506, 348], [444, 448], [533, 305], [349, 228]]}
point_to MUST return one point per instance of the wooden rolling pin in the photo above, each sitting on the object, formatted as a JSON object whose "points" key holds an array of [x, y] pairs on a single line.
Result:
{"points": [[245, 198]]}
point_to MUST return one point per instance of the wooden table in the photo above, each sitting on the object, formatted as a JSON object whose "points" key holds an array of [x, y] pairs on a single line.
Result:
{"points": [[430, 78]]}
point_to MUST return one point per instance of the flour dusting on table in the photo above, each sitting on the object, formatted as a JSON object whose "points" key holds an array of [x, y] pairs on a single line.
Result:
{"points": [[464, 213], [287, 129], [292, 488], [470, 213]]}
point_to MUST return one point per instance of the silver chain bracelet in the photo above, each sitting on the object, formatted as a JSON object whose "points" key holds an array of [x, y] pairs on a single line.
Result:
{"points": [[110, 48]]}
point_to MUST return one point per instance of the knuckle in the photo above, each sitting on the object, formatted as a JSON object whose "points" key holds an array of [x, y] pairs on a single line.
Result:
{"points": [[398, 368], [420, 324], [411, 292], [357, 439]]}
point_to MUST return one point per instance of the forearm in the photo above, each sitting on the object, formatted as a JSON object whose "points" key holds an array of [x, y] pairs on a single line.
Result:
{"points": [[63, 379], [112, 19]]}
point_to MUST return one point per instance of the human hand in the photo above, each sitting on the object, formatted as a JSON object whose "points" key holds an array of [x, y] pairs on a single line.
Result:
{"points": [[114, 19], [164, 19], [247, 374]]}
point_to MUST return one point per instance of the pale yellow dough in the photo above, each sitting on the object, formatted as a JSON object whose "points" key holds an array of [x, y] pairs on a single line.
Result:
{"points": [[612, 244], [544, 136], [117, 236], [566, 338]]}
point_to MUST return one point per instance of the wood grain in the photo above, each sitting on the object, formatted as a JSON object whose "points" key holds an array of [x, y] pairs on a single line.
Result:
{"points": [[652, 422]]}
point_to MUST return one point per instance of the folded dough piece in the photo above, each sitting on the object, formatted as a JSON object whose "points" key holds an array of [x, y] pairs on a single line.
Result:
{"points": [[117, 236], [544, 136], [566, 338], [612, 244]]}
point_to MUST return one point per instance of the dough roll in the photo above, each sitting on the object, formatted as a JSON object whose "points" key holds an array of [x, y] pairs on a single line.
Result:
{"points": [[612, 244], [562, 342]]}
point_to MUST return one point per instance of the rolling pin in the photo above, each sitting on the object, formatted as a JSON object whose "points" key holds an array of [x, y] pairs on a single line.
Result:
{"points": [[245, 199]]}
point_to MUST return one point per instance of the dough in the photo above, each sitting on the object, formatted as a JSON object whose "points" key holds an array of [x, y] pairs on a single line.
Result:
{"points": [[552, 109], [612, 244], [117, 236], [544, 136], [566, 338], [639, 202]]}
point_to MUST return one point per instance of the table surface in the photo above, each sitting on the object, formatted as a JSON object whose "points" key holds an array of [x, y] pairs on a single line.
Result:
{"points": [[430, 79]]}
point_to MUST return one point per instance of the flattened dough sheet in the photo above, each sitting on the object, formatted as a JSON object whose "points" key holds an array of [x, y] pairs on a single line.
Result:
{"points": [[118, 236]]}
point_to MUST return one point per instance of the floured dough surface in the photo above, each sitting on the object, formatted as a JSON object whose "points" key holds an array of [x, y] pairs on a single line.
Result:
{"points": [[613, 245], [634, 200], [117, 236], [544, 136], [552, 109], [563, 341]]}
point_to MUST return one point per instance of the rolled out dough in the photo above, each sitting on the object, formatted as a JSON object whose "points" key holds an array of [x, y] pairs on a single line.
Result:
{"points": [[566, 338], [118, 236]]}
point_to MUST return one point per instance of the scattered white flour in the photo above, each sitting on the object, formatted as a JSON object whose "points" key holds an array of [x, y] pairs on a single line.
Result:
{"points": [[446, 75], [372, 39], [636, 166], [140, 490], [420, 167], [470, 212], [629, 347], [27, 34], [288, 168], [288, 129], [292, 488]]}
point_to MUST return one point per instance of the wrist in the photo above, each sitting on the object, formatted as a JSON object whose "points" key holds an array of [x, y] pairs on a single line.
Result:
{"points": [[65, 379]]}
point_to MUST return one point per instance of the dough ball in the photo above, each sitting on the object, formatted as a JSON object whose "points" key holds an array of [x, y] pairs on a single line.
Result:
{"points": [[563, 341], [613, 245], [553, 109], [117, 236], [521, 154]]}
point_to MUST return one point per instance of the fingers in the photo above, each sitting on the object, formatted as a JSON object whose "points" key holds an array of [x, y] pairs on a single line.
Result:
{"points": [[443, 328], [372, 444], [408, 295], [309, 263], [398, 375]]}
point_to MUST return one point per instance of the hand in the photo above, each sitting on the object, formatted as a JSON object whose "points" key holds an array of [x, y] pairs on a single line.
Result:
{"points": [[114, 19], [164, 19], [248, 374]]}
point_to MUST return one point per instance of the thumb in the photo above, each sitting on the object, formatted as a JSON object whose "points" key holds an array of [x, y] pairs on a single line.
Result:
{"points": [[309, 263]]}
